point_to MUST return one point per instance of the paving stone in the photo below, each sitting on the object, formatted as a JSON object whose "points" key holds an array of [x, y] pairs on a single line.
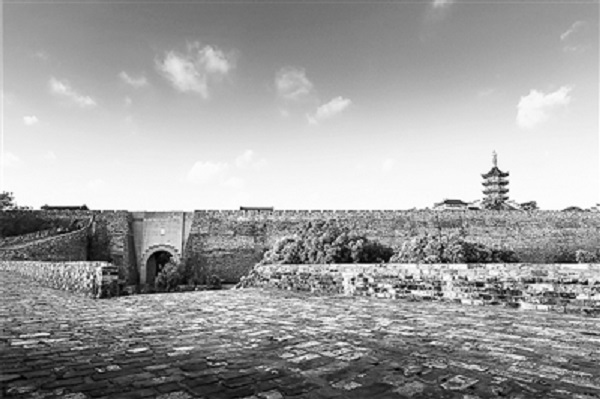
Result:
{"points": [[254, 343], [459, 382], [206, 390], [77, 395], [175, 395], [270, 395], [138, 394], [410, 389], [238, 382], [9, 377]]}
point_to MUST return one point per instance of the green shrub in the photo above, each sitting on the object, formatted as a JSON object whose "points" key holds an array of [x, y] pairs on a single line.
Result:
{"points": [[563, 255], [214, 282], [583, 256], [449, 249], [170, 277], [326, 242]]}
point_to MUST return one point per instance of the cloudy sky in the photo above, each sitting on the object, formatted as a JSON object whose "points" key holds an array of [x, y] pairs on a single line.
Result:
{"points": [[144, 105]]}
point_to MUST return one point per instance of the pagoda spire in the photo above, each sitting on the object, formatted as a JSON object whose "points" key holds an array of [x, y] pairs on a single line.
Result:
{"points": [[495, 186]]}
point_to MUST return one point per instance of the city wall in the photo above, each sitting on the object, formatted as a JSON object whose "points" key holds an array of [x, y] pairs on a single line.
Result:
{"points": [[558, 287], [71, 246], [229, 243], [92, 279], [108, 238]]}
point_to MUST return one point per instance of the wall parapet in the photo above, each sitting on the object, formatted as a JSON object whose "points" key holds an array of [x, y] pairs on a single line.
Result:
{"points": [[557, 287], [91, 279]]}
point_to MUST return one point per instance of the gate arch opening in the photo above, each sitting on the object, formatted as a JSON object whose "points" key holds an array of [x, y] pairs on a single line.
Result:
{"points": [[155, 259]]}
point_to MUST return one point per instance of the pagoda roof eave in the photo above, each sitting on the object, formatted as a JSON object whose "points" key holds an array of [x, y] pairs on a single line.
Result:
{"points": [[494, 174], [495, 183]]}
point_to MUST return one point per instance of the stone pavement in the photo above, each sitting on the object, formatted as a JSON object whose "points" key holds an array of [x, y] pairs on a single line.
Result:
{"points": [[275, 344]]}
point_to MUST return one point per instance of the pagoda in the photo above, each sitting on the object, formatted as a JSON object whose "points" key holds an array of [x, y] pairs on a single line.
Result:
{"points": [[495, 185]]}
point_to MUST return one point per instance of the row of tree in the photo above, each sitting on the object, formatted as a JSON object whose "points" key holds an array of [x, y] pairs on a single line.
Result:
{"points": [[324, 242]]}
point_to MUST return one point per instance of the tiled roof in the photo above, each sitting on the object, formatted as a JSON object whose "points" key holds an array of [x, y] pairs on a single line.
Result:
{"points": [[495, 172]]}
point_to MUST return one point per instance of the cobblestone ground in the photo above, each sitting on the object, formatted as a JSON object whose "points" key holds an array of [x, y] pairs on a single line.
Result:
{"points": [[272, 344]]}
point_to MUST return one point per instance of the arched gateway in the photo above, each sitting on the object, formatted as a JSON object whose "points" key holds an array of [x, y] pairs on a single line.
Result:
{"points": [[158, 237], [154, 258]]}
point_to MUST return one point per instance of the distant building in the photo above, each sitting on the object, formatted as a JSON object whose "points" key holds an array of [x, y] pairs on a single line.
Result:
{"points": [[450, 204], [65, 208], [475, 205], [257, 208], [495, 185]]}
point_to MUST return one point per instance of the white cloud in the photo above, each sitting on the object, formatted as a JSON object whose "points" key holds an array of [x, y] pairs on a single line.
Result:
{"points": [[206, 172], [536, 107], [330, 109], [30, 120], [42, 55], [284, 113], [243, 160], [292, 83], [10, 160], [388, 164], [574, 39], [441, 3], [222, 173], [192, 71], [248, 160], [65, 91], [128, 101], [576, 27], [136, 82], [435, 14]]}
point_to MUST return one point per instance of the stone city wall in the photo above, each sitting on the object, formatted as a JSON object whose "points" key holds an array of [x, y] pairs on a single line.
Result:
{"points": [[92, 279], [229, 243], [66, 247], [559, 287], [30, 237], [110, 239]]}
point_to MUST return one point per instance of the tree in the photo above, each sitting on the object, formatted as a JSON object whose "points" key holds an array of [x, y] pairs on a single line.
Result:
{"points": [[583, 256], [7, 202], [449, 249], [170, 276], [322, 242]]}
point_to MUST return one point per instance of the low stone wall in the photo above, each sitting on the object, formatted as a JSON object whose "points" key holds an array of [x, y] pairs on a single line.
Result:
{"points": [[560, 287], [92, 279]]}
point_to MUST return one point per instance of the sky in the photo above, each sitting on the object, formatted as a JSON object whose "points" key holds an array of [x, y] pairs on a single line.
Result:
{"points": [[185, 105]]}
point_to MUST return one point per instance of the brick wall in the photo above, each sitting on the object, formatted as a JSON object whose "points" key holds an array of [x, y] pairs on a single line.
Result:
{"points": [[66, 247], [229, 243], [559, 287], [91, 279], [112, 239], [26, 238]]}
